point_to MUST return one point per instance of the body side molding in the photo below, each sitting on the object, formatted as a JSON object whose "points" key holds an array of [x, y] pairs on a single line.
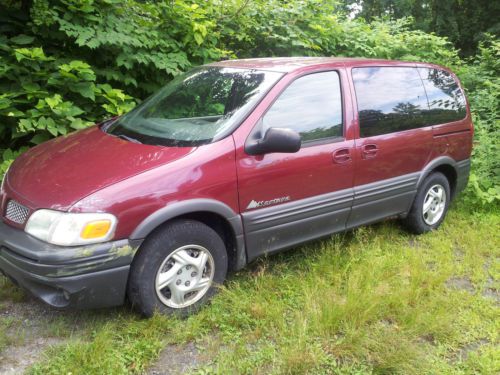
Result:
{"points": [[380, 199], [279, 227]]}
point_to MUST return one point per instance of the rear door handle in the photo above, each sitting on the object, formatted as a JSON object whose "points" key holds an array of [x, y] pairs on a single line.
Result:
{"points": [[342, 156], [369, 151]]}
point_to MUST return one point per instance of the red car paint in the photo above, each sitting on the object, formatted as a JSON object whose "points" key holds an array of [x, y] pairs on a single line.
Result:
{"points": [[91, 171]]}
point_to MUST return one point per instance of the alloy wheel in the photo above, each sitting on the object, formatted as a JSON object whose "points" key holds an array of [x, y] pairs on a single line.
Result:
{"points": [[434, 204], [185, 276]]}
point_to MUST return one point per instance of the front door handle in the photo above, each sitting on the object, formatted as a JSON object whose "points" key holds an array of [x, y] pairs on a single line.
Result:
{"points": [[369, 151], [342, 156]]}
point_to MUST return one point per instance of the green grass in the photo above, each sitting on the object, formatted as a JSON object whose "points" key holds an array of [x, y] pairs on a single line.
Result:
{"points": [[374, 300], [8, 324], [8, 291]]}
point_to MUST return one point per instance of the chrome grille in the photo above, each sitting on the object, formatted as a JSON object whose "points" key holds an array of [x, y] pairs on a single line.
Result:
{"points": [[16, 212]]}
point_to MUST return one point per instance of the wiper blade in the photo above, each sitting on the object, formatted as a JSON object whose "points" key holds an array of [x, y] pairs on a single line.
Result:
{"points": [[127, 138]]}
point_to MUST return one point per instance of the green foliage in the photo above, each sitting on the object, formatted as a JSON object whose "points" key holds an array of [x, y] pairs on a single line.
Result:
{"points": [[45, 96], [7, 158], [314, 27], [482, 78], [66, 64], [465, 23]]}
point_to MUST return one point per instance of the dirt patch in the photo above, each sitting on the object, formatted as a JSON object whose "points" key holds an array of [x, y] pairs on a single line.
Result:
{"points": [[463, 353], [491, 291], [17, 359], [428, 338], [177, 359], [460, 283], [33, 312], [413, 242], [458, 252], [28, 326]]}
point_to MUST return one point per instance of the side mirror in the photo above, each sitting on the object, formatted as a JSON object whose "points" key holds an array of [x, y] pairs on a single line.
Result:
{"points": [[275, 140]]}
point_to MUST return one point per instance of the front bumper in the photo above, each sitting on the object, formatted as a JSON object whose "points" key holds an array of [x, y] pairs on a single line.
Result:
{"points": [[81, 277]]}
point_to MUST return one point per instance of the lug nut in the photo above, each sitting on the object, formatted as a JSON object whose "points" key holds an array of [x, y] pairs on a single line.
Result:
{"points": [[179, 272], [178, 282], [188, 267], [187, 283], [193, 274]]}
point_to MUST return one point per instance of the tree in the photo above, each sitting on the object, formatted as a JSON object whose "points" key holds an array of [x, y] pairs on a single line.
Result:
{"points": [[463, 22]]}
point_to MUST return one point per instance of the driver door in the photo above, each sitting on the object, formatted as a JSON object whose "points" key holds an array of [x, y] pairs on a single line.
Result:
{"points": [[289, 198]]}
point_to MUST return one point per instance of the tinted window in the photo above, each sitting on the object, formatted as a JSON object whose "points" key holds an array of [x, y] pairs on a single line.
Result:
{"points": [[197, 107], [446, 99], [311, 105], [389, 99]]}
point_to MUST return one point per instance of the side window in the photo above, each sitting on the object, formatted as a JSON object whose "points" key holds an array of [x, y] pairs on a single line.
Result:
{"points": [[311, 105], [446, 99], [389, 99]]}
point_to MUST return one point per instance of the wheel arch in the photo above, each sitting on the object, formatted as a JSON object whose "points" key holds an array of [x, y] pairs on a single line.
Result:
{"points": [[212, 213], [444, 165]]}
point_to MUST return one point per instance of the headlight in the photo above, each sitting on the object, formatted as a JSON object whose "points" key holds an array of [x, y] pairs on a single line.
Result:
{"points": [[70, 229]]}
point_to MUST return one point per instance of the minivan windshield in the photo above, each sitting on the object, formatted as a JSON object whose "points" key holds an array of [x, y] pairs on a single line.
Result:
{"points": [[198, 107]]}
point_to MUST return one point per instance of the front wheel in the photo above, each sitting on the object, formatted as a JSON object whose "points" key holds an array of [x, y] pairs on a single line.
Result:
{"points": [[177, 269], [431, 204]]}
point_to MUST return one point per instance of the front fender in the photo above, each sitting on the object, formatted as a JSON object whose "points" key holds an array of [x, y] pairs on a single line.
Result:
{"points": [[186, 207], [190, 206]]}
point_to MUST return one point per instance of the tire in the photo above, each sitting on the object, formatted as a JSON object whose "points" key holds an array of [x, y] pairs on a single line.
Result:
{"points": [[434, 193], [165, 275]]}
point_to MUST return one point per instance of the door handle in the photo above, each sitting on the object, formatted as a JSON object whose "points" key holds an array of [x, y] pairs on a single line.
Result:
{"points": [[342, 156], [369, 151]]}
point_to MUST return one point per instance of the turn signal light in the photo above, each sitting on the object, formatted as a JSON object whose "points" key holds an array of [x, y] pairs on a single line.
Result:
{"points": [[96, 229]]}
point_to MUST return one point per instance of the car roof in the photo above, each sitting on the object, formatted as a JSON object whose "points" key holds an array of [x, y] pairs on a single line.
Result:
{"points": [[290, 64]]}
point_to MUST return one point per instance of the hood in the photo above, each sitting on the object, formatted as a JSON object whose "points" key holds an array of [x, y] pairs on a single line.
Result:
{"points": [[59, 173]]}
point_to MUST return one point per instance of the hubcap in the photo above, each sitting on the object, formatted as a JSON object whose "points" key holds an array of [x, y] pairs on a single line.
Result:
{"points": [[434, 204], [185, 276]]}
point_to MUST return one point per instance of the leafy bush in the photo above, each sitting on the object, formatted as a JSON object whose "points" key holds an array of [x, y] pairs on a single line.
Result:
{"points": [[482, 80], [65, 64], [271, 28]]}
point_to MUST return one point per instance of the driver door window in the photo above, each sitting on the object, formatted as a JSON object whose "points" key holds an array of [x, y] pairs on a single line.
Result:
{"points": [[311, 106]]}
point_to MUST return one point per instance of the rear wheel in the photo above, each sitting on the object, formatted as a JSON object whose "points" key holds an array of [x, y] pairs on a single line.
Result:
{"points": [[177, 269], [431, 204]]}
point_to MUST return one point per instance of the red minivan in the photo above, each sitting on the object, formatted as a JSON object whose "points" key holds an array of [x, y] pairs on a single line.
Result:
{"points": [[228, 162]]}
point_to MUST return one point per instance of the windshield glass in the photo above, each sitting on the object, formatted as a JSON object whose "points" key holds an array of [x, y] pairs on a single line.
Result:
{"points": [[195, 108]]}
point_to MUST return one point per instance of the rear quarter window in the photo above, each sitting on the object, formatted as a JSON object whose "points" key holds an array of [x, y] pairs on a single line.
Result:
{"points": [[446, 99]]}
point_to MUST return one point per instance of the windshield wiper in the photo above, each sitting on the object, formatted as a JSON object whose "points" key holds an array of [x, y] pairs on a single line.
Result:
{"points": [[126, 137]]}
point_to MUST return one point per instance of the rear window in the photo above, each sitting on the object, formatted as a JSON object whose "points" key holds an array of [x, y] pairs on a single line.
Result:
{"points": [[446, 99], [389, 99]]}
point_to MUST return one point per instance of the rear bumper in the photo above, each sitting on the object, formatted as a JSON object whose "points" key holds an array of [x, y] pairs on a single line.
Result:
{"points": [[67, 277]]}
